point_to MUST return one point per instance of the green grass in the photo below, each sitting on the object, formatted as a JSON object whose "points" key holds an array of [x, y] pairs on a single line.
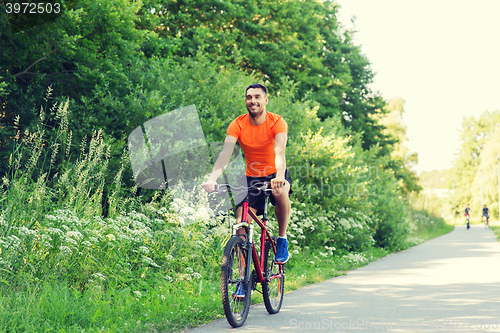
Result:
{"points": [[53, 307], [435, 232], [426, 226], [168, 307], [309, 268], [496, 230]]}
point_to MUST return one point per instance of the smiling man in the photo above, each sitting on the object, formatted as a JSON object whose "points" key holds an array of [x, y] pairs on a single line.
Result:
{"points": [[262, 136]]}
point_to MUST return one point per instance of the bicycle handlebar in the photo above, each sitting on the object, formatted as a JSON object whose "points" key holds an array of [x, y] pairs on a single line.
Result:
{"points": [[222, 188]]}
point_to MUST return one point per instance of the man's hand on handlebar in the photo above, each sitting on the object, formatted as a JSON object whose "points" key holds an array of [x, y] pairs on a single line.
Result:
{"points": [[277, 184], [210, 185]]}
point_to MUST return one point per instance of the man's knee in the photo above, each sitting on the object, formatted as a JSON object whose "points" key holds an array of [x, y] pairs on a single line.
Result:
{"points": [[281, 195]]}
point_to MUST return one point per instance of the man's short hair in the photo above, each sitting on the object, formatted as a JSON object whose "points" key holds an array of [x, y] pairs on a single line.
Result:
{"points": [[257, 86]]}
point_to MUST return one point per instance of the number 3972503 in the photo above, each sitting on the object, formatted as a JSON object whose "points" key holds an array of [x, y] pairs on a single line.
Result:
{"points": [[33, 8]]}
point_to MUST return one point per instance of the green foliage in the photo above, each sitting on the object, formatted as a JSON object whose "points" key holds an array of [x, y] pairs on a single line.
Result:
{"points": [[93, 55], [301, 40], [496, 230], [32, 187], [401, 159], [476, 164], [425, 226], [3, 85]]}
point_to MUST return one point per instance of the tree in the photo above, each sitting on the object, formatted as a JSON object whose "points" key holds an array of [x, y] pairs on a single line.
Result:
{"points": [[476, 136], [301, 40], [401, 159], [94, 55]]}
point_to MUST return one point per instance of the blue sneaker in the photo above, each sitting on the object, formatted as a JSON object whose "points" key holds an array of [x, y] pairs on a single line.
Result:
{"points": [[240, 291], [281, 250]]}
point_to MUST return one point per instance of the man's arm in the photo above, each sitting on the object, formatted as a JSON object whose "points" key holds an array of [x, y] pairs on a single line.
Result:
{"points": [[221, 163], [280, 159]]}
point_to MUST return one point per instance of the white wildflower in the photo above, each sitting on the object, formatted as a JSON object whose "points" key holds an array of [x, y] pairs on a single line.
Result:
{"points": [[110, 237], [150, 261], [144, 249], [23, 231], [98, 276], [71, 241], [65, 251], [76, 235], [54, 231]]}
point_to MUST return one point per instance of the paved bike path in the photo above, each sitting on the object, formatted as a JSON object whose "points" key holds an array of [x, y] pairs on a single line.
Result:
{"points": [[452, 277]]}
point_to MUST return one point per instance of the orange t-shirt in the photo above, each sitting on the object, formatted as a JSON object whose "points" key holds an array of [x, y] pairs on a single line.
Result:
{"points": [[257, 142]]}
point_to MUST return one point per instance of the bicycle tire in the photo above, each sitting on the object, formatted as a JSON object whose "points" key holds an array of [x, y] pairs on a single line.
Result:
{"points": [[272, 289], [235, 308]]}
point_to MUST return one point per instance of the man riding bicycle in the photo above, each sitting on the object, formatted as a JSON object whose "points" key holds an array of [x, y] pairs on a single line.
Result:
{"points": [[262, 136], [485, 214], [467, 215]]}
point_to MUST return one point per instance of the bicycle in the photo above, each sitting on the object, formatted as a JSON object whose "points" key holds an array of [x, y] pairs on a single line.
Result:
{"points": [[485, 219], [237, 281]]}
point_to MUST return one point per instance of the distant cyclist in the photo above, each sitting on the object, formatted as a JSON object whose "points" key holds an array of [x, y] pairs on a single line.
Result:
{"points": [[467, 215], [485, 214]]}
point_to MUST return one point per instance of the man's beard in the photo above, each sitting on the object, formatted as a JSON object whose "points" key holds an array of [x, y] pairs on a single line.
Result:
{"points": [[254, 114]]}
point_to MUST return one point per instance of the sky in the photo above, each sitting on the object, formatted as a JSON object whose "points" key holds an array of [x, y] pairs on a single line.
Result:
{"points": [[442, 57]]}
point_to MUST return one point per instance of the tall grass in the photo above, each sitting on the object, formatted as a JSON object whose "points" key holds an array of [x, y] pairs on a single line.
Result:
{"points": [[45, 176], [425, 226]]}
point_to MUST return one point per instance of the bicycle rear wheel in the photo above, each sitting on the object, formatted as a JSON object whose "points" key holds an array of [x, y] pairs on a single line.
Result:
{"points": [[274, 284], [235, 293]]}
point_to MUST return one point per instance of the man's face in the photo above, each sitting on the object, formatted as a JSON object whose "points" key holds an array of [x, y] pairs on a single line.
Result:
{"points": [[256, 101]]}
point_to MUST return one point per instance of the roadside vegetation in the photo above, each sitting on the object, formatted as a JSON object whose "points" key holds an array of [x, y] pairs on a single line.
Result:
{"points": [[141, 267], [473, 179], [496, 230], [84, 248]]}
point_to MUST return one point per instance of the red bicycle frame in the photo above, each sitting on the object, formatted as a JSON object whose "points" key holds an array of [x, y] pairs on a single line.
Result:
{"points": [[258, 264]]}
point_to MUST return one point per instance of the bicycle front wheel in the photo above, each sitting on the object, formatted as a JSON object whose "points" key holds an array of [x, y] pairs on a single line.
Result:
{"points": [[235, 293], [274, 284]]}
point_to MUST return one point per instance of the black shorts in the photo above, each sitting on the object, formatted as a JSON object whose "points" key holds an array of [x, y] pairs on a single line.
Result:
{"points": [[256, 198]]}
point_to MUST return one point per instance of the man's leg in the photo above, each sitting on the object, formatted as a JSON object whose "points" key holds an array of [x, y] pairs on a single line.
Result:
{"points": [[239, 215], [282, 208], [240, 293]]}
